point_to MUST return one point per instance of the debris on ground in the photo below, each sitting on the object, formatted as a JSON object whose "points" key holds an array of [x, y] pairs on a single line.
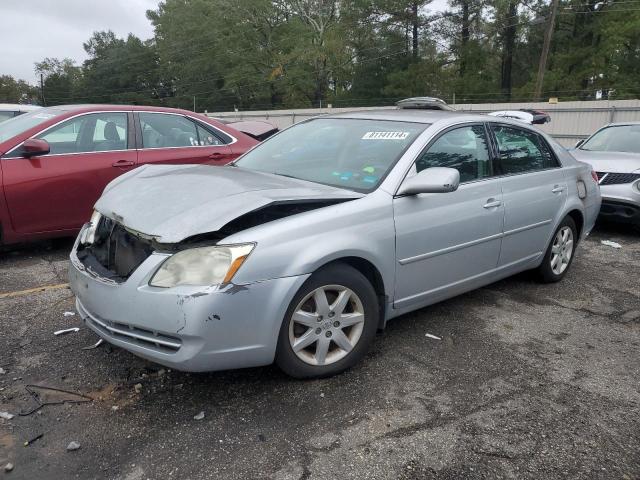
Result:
{"points": [[73, 446], [609, 243], [115, 408], [161, 372], [199, 416], [69, 314], [37, 437], [8, 467], [137, 387], [64, 396], [432, 336], [2, 371], [66, 330], [95, 345], [6, 415]]}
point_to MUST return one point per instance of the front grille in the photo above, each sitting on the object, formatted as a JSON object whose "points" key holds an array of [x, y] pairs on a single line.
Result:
{"points": [[136, 336], [115, 253], [608, 178]]}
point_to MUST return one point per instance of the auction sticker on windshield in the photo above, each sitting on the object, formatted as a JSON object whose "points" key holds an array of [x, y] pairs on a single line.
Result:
{"points": [[385, 135]]}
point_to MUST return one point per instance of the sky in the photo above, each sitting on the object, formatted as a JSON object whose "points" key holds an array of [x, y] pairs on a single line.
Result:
{"points": [[31, 30]]}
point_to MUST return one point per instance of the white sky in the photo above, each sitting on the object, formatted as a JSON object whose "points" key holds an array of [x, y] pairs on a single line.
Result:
{"points": [[31, 30]]}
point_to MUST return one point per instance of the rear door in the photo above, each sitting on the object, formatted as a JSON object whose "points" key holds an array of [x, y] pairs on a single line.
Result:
{"points": [[174, 139], [57, 191], [534, 191]]}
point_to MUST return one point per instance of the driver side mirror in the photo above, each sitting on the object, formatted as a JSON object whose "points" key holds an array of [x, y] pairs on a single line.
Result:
{"points": [[33, 147], [431, 180]]}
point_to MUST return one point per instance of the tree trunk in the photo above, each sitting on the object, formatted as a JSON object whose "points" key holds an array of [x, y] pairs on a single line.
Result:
{"points": [[414, 20], [508, 48], [466, 34]]}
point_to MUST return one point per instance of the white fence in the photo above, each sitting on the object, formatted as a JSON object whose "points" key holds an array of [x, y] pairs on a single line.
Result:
{"points": [[570, 121]]}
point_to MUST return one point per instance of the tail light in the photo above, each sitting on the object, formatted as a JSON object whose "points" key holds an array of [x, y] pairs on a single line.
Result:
{"points": [[594, 175]]}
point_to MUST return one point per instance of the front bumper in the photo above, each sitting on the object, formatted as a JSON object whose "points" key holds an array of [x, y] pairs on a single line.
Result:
{"points": [[185, 328], [621, 203]]}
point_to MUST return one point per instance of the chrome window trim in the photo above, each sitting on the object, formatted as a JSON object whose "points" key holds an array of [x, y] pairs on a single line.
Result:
{"points": [[64, 120], [197, 120]]}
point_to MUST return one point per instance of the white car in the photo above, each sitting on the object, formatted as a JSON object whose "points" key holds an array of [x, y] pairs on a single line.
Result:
{"points": [[10, 110]]}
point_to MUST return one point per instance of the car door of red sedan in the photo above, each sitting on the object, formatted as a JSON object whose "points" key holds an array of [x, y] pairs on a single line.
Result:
{"points": [[175, 139], [56, 192]]}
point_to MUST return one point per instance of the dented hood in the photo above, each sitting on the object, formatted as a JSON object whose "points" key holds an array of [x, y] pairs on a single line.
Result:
{"points": [[174, 202]]}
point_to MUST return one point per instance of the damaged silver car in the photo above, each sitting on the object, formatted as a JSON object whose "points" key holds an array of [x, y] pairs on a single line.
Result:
{"points": [[307, 245]]}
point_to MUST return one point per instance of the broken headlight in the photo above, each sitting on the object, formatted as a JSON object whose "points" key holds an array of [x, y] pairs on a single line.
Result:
{"points": [[89, 233], [202, 266]]}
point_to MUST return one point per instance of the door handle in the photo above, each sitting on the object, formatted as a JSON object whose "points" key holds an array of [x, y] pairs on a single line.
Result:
{"points": [[216, 156], [557, 188], [123, 164], [492, 203]]}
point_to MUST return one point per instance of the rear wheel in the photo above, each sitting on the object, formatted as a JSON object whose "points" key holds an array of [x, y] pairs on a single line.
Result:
{"points": [[559, 255], [329, 324]]}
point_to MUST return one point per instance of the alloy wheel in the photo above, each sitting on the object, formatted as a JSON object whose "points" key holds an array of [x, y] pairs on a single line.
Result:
{"points": [[561, 250], [326, 325]]}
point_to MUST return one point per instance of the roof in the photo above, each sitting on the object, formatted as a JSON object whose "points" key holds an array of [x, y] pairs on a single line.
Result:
{"points": [[108, 107], [401, 115]]}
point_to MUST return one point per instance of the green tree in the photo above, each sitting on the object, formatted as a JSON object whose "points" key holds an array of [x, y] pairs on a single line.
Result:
{"points": [[16, 91]]}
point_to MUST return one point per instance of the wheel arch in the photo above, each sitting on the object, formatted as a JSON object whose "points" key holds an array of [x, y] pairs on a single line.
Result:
{"points": [[371, 273], [578, 218]]}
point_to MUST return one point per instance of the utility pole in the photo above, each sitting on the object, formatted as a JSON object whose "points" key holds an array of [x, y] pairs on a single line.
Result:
{"points": [[548, 33], [44, 103], [194, 103]]}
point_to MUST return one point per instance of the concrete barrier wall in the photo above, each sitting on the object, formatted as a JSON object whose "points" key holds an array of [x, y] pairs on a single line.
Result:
{"points": [[570, 121]]}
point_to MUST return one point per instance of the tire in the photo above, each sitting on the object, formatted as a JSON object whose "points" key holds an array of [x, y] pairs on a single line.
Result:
{"points": [[333, 336], [555, 264]]}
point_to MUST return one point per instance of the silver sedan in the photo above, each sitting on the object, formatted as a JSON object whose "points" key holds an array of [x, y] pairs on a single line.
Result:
{"points": [[614, 152], [311, 242]]}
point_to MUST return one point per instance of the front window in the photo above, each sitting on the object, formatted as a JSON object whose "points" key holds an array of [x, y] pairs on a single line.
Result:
{"points": [[21, 123], [623, 138], [347, 153]]}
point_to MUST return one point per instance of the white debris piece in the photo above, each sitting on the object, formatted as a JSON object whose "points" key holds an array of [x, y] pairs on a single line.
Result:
{"points": [[199, 416], [432, 336], [73, 446], [6, 415], [2, 371], [66, 330], [609, 243], [8, 467], [69, 314]]}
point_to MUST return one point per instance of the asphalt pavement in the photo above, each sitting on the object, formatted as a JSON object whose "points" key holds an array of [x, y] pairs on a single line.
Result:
{"points": [[528, 381]]}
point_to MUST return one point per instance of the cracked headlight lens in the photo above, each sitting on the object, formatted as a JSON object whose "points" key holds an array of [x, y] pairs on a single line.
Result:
{"points": [[202, 266]]}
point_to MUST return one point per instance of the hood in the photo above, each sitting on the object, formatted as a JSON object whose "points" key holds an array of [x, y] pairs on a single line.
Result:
{"points": [[615, 162], [173, 202]]}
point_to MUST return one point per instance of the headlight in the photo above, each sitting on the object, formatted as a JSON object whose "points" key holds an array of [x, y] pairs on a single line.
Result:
{"points": [[89, 234], [202, 266]]}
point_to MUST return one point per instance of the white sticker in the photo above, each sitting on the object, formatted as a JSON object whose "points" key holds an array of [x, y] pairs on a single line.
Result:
{"points": [[385, 135]]}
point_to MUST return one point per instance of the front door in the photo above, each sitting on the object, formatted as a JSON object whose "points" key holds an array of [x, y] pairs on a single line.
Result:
{"points": [[445, 240], [534, 191], [57, 191]]}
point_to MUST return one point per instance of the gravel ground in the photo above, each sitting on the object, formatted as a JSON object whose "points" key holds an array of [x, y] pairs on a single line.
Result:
{"points": [[528, 381]]}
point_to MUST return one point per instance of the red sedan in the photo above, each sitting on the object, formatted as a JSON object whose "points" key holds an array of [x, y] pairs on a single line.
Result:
{"points": [[55, 162]]}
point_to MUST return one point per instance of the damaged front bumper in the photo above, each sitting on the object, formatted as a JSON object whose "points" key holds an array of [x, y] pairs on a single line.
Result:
{"points": [[187, 328]]}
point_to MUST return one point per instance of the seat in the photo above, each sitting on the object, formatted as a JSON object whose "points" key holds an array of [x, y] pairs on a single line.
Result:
{"points": [[112, 137]]}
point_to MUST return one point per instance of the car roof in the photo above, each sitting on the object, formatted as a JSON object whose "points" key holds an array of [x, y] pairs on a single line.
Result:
{"points": [[621, 124], [108, 107], [21, 107], [401, 115]]}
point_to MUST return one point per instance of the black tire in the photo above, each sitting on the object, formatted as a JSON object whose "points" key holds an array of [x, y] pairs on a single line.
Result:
{"points": [[334, 274], [545, 271]]}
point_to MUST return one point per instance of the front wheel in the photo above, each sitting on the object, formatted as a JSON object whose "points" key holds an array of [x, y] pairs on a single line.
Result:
{"points": [[560, 252], [329, 324]]}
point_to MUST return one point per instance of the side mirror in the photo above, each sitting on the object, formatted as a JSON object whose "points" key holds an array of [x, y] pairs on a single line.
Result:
{"points": [[431, 180], [35, 146], [579, 142]]}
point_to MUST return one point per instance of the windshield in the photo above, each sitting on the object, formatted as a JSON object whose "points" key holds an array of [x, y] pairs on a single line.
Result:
{"points": [[17, 125], [346, 153], [622, 138]]}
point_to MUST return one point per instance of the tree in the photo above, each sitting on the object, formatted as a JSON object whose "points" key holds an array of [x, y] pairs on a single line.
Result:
{"points": [[16, 91], [61, 79]]}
